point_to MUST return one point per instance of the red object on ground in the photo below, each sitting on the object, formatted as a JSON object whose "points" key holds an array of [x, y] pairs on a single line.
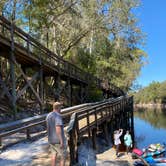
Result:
{"points": [[137, 151]]}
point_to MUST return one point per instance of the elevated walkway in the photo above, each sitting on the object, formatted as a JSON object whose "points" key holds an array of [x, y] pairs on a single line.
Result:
{"points": [[30, 53]]}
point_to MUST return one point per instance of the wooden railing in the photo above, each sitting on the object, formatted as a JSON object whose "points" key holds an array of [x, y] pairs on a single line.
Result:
{"points": [[26, 124], [20, 39], [85, 121], [81, 119]]}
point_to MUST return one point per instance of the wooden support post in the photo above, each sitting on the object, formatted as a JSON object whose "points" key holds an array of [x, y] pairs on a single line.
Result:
{"points": [[5, 90], [106, 133], [86, 93], [132, 121], [124, 121], [57, 91], [124, 114], [71, 102], [94, 145], [28, 133], [0, 143], [111, 130], [69, 92], [23, 69], [72, 148], [41, 90], [81, 93], [88, 124], [12, 73], [73, 138], [44, 87]]}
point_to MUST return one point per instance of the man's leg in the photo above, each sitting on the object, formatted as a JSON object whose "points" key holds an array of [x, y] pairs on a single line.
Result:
{"points": [[117, 150], [63, 155], [62, 162], [53, 160], [53, 154]]}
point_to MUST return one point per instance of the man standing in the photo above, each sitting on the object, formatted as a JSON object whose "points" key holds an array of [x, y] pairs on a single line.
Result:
{"points": [[56, 136], [117, 141]]}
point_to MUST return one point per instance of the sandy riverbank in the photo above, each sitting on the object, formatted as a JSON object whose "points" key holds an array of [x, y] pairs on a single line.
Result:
{"points": [[108, 158], [89, 157], [37, 154], [103, 156]]}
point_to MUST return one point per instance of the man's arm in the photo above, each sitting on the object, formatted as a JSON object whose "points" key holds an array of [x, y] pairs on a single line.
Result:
{"points": [[121, 132], [58, 129]]}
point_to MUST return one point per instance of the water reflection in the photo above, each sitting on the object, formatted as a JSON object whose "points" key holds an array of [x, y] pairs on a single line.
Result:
{"points": [[156, 117], [149, 126]]}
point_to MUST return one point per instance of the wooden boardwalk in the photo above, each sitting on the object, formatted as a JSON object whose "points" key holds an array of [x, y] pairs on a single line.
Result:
{"points": [[30, 71], [86, 120]]}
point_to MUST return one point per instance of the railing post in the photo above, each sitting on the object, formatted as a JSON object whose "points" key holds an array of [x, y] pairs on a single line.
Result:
{"points": [[28, 133], [88, 124], [69, 92], [72, 142], [94, 138], [0, 143], [41, 89], [132, 118], [106, 133], [96, 118], [12, 71], [81, 93]]}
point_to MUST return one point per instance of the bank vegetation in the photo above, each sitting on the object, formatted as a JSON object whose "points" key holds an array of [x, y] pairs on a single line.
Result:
{"points": [[152, 95]]}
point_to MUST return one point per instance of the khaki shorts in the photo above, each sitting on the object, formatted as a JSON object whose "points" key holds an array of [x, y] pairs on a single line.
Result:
{"points": [[58, 151]]}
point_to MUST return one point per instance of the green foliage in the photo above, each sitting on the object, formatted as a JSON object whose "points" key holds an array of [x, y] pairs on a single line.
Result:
{"points": [[95, 95], [154, 93], [101, 37]]}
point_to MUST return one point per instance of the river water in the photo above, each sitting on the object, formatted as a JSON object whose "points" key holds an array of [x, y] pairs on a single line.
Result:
{"points": [[149, 126]]}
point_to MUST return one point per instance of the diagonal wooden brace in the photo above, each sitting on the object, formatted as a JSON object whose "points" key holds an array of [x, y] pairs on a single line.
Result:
{"points": [[29, 84], [5, 89], [21, 92]]}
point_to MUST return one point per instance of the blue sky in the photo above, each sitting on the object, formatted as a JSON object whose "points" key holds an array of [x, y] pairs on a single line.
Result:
{"points": [[152, 19]]}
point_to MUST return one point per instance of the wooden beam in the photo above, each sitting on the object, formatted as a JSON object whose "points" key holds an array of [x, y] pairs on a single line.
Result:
{"points": [[12, 71], [81, 93], [41, 84], [5, 89], [94, 145], [57, 87], [41, 88], [105, 128], [29, 84], [6, 81], [68, 92]]}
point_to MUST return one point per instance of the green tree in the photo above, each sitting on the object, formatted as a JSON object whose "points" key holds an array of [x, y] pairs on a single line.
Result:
{"points": [[100, 36], [154, 93]]}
